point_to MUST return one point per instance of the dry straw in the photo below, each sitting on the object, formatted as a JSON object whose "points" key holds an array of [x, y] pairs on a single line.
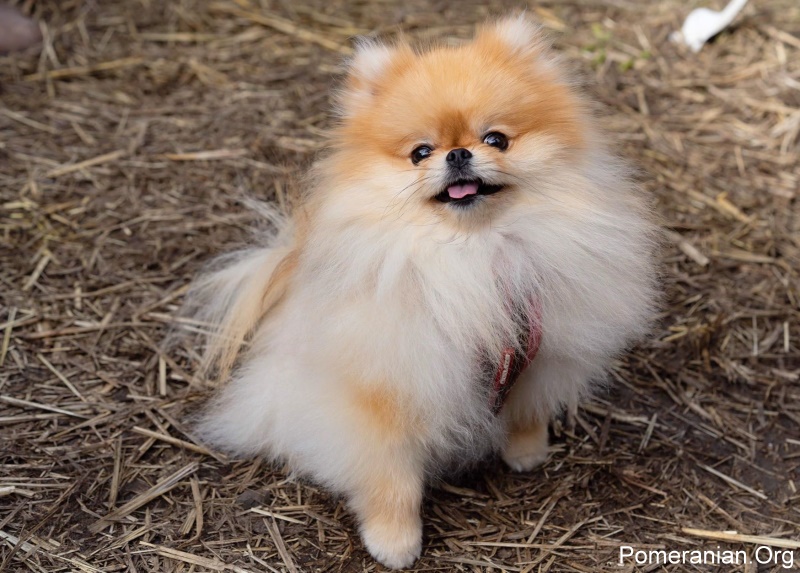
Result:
{"points": [[127, 146]]}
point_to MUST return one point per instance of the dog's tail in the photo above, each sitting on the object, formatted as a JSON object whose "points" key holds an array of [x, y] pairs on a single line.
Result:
{"points": [[229, 300]]}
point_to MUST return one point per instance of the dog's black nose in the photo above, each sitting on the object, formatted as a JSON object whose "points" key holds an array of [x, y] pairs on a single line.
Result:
{"points": [[458, 158]]}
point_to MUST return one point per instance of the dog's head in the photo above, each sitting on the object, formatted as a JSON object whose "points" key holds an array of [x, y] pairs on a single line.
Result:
{"points": [[453, 133]]}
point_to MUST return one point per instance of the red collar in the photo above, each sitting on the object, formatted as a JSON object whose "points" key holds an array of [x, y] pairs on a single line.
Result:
{"points": [[512, 362]]}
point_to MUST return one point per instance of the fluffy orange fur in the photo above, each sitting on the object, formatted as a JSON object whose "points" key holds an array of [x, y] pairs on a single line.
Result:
{"points": [[369, 313], [513, 90]]}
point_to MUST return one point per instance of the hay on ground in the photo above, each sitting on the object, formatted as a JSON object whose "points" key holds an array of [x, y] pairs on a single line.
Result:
{"points": [[126, 147]]}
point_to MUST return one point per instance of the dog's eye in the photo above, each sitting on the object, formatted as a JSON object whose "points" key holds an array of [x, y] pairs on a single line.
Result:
{"points": [[420, 153], [496, 139]]}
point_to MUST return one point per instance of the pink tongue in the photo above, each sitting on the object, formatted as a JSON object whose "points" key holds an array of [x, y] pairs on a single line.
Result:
{"points": [[461, 191]]}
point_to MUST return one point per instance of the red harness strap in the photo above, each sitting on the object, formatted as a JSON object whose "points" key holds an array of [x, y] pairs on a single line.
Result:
{"points": [[511, 364]]}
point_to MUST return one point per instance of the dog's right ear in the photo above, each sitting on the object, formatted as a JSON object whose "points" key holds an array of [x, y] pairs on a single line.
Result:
{"points": [[372, 63]]}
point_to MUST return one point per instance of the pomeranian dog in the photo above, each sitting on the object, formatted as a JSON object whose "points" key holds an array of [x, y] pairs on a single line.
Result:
{"points": [[468, 257]]}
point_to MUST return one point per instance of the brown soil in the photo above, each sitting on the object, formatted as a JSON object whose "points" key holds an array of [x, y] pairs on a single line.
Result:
{"points": [[127, 146]]}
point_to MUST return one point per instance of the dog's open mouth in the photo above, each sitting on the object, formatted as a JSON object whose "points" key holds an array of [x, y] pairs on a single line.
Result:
{"points": [[466, 191]]}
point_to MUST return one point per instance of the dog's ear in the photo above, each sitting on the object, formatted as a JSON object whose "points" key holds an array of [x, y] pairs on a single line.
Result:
{"points": [[373, 62], [517, 32]]}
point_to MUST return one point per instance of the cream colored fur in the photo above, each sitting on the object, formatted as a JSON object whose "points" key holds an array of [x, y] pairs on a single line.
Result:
{"points": [[362, 365]]}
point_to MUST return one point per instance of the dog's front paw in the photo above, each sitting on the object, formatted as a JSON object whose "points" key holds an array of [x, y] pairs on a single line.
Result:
{"points": [[524, 462], [527, 448], [396, 544]]}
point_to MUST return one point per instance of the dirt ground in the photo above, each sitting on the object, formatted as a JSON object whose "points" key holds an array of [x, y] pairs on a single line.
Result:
{"points": [[128, 145]]}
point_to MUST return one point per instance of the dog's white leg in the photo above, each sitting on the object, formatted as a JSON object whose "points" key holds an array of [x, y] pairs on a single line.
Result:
{"points": [[388, 478], [387, 505], [548, 386]]}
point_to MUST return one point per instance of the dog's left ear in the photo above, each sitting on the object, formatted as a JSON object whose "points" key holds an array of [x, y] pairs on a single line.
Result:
{"points": [[369, 67], [518, 32]]}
